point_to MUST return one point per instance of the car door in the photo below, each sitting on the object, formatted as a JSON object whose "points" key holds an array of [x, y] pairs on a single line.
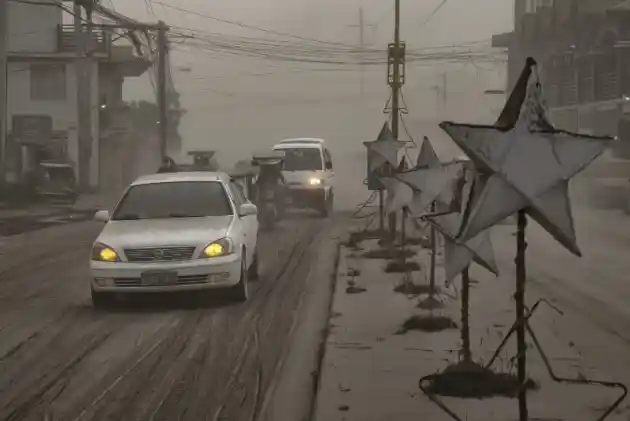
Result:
{"points": [[249, 223], [329, 173]]}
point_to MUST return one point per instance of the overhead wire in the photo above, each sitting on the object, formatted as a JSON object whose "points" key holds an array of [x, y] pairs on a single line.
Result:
{"points": [[244, 25], [433, 13]]}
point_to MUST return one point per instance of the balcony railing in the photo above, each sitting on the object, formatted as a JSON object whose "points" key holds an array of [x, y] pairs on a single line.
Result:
{"points": [[607, 86], [100, 42], [569, 93], [586, 87]]}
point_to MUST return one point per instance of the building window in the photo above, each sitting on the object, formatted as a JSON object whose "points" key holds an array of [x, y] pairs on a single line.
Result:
{"points": [[48, 81]]}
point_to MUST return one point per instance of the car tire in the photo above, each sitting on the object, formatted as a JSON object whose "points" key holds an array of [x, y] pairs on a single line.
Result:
{"points": [[103, 299], [240, 291], [253, 269], [327, 205]]}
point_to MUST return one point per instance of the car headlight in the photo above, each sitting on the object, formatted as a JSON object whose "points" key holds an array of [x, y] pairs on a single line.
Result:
{"points": [[104, 253], [217, 248], [314, 181]]}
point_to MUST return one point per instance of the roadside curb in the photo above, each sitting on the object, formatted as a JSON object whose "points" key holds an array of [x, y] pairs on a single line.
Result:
{"points": [[292, 396], [321, 351]]}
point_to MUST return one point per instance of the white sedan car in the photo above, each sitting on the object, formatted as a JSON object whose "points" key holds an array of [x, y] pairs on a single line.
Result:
{"points": [[176, 232]]}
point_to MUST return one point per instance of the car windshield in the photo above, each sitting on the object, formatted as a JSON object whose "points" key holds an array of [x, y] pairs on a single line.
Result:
{"points": [[185, 199], [302, 159]]}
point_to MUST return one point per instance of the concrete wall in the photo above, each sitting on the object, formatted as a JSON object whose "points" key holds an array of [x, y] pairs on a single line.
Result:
{"points": [[33, 28], [63, 112]]}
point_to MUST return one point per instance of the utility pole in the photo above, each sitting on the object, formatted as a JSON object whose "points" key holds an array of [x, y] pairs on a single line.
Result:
{"points": [[361, 25], [4, 52], [84, 47], [444, 94], [396, 78], [162, 87]]}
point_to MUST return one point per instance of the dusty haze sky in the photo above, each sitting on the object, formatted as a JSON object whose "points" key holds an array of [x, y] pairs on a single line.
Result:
{"points": [[235, 112]]}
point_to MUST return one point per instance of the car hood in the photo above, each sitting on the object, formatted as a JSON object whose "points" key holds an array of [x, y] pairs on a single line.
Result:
{"points": [[164, 232]]}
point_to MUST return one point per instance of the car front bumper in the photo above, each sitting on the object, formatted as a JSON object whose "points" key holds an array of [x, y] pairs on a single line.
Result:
{"points": [[192, 275], [306, 196]]}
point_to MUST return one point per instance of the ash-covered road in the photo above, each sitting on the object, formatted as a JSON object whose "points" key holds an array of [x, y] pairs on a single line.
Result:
{"points": [[165, 360]]}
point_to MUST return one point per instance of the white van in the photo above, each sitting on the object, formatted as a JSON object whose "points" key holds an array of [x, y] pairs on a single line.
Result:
{"points": [[308, 171]]}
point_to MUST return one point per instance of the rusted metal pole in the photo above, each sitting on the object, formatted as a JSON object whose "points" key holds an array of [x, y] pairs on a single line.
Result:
{"points": [[519, 298], [466, 352], [433, 255]]}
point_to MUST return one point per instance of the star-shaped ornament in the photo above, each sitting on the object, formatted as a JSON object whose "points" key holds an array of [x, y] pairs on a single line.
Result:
{"points": [[383, 150], [427, 156], [461, 254], [530, 166], [427, 185], [399, 194]]}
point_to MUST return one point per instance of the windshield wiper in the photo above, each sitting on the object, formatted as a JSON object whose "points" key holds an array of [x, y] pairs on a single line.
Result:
{"points": [[127, 217], [184, 215]]}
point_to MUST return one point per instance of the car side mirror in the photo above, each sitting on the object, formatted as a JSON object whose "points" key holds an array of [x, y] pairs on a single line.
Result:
{"points": [[248, 209], [329, 166], [102, 216]]}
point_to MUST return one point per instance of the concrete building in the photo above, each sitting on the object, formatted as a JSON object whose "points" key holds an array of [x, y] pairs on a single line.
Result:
{"points": [[42, 81], [582, 48]]}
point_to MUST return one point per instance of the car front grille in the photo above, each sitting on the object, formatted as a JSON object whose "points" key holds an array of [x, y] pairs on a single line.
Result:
{"points": [[160, 254]]}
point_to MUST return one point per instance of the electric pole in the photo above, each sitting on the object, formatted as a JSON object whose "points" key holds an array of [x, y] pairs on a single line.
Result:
{"points": [[444, 94], [396, 78], [162, 87], [84, 46], [4, 52], [361, 25]]}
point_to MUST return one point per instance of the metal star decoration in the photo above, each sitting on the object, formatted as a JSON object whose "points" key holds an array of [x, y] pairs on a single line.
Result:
{"points": [[399, 194], [461, 254], [428, 184], [530, 166], [384, 149], [427, 156]]}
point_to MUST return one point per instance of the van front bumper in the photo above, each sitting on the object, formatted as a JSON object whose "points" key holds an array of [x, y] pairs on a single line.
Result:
{"points": [[306, 196]]}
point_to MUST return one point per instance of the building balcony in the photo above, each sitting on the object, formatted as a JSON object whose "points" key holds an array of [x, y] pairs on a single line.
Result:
{"points": [[607, 86], [100, 44]]}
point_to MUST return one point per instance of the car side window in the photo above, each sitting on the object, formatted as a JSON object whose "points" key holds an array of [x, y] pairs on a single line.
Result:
{"points": [[237, 192]]}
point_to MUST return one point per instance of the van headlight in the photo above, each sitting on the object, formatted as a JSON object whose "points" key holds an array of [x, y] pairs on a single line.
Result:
{"points": [[221, 247], [314, 181]]}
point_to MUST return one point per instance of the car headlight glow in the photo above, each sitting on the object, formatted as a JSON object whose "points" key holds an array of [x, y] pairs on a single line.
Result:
{"points": [[221, 247], [104, 253], [315, 181]]}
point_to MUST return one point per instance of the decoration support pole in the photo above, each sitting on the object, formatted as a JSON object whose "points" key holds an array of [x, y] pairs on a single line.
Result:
{"points": [[381, 212], [466, 353], [433, 256], [403, 237], [519, 298]]}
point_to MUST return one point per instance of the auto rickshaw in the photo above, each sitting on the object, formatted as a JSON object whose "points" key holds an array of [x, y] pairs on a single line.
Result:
{"points": [[55, 182], [269, 188]]}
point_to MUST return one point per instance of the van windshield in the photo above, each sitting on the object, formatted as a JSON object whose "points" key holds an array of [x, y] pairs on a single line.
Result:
{"points": [[302, 159]]}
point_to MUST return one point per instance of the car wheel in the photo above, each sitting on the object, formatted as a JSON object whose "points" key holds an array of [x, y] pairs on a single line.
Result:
{"points": [[253, 269], [327, 205], [240, 291], [103, 299]]}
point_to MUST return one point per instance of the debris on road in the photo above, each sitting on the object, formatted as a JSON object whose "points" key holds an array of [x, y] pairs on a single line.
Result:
{"points": [[427, 323]]}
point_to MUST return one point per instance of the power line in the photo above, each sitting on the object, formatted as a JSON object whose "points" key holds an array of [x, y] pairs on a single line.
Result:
{"points": [[247, 26], [433, 13]]}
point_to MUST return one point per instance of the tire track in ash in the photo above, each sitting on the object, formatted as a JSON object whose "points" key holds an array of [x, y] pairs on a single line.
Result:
{"points": [[194, 397], [197, 349], [31, 382], [163, 380], [123, 378], [41, 280], [243, 397]]}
